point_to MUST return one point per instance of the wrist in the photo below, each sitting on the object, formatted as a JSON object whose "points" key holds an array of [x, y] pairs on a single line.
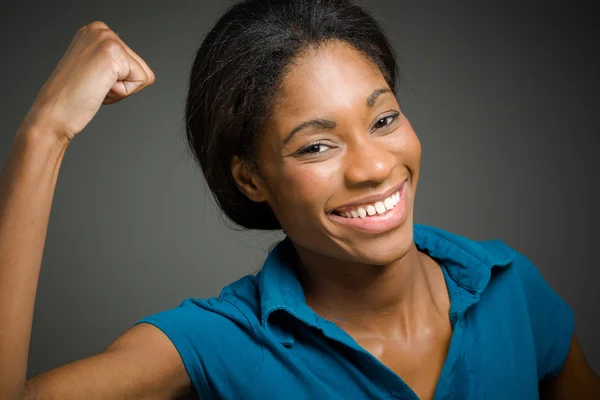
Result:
{"points": [[40, 143], [39, 132]]}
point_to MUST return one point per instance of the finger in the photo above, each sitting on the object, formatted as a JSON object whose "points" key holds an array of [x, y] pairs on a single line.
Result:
{"points": [[141, 62], [131, 81]]}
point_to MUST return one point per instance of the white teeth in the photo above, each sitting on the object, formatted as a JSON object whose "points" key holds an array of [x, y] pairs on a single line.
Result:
{"points": [[362, 212], [388, 203], [379, 207]]}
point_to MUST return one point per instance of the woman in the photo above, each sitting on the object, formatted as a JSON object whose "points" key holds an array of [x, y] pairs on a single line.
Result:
{"points": [[293, 118]]}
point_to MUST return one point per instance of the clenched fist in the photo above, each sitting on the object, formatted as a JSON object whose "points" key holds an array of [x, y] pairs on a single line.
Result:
{"points": [[97, 68]]}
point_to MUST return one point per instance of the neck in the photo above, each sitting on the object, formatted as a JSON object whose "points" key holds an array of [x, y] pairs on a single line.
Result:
{"points": [[394, 300]]}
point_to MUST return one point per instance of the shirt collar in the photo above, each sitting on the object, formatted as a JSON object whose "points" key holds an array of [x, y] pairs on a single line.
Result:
{"points": [[467, 262], [280, 289]]}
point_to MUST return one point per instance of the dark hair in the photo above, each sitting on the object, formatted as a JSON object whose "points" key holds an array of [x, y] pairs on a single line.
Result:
{"points": [[236, 75]]}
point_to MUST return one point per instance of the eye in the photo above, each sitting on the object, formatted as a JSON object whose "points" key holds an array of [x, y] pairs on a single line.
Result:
{"points": [[390, 118], [313, 148]]}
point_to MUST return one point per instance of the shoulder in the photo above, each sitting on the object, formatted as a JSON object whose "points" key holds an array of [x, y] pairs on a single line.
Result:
{"points": [[517, 273], [479, 257], [516, 293], [216, 337], [522, 272], [551, 319], [236, 306]]}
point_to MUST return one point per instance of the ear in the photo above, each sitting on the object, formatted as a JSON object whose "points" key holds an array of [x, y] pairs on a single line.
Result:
{"points": [[248, 180]]}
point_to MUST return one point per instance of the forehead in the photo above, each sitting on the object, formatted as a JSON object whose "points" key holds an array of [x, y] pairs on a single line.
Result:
{"points": [[332, 78]]}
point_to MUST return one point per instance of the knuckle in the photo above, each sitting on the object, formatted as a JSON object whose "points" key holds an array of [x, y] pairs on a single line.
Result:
{"points": [[98, 25], [110, 46], [106, 34]]}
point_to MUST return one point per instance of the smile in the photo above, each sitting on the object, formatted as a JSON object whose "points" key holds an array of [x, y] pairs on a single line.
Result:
{"points": [[375, 217], [366, 210]]}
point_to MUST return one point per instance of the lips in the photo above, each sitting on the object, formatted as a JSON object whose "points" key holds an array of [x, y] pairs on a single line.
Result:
{"points": [[379, 222], [367, 201]]}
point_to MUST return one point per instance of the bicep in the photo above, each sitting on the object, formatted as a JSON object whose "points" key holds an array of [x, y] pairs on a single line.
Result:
{"points": [[576, 379], [141, 363]]}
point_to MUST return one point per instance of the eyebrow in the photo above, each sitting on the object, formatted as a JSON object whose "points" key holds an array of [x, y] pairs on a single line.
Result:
{"points": [[324, 123]]}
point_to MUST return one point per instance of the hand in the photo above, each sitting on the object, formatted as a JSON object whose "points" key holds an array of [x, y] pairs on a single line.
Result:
{"points": [[97, 68]]}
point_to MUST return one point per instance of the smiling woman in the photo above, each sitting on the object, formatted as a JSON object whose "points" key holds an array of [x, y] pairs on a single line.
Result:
{"points": [[292, 115], [367, 152]]}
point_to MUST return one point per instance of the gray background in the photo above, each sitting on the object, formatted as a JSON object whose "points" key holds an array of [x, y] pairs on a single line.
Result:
{"points": [[503, 97]]}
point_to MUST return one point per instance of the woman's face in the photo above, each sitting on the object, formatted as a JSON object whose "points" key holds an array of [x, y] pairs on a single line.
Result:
{"points": [[358, 151]]}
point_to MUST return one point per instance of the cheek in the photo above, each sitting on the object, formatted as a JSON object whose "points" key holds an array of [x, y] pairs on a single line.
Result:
{"points": [[414, 146], [305, 186], [408, 147], [301, 196]]}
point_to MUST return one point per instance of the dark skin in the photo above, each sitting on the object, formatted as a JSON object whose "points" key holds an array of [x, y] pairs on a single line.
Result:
{"points": [[390, 297]]}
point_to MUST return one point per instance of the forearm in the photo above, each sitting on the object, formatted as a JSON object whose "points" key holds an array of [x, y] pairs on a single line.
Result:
{"points": [[27, 187]]}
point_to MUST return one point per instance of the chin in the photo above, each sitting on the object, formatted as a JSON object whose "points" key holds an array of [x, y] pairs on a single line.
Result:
{"points": [[354, 246], [384, 250], [381, 249]]}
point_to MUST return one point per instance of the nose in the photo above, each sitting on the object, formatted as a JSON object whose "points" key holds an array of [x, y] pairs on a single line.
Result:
{"points": [[368, 163]]}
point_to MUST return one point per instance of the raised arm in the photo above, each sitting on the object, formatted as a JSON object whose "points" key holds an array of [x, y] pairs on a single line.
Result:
{"points": [[97, 68], [141, 364]]}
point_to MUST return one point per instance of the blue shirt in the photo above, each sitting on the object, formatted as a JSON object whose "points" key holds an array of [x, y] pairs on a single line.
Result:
{"points": [[260, 340]]}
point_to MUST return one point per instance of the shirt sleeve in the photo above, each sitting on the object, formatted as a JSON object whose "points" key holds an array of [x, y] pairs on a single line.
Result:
{"points": [[552, 320], [211, 338]]}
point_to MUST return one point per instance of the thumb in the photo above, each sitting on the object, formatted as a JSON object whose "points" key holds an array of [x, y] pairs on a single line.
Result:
{"points": [[130, 79]]}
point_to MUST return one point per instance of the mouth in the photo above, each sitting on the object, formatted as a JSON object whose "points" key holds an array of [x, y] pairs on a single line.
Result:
{"points": [[370, 209], [374, 217]]}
